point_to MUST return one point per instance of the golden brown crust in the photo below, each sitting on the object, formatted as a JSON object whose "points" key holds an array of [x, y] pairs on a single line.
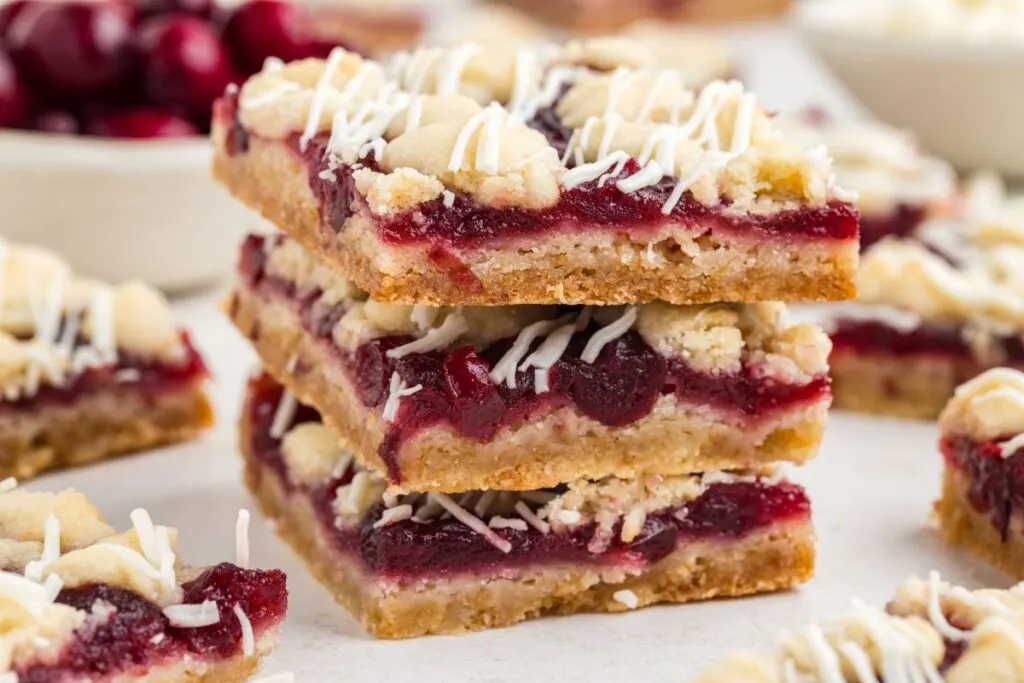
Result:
{"points": [[762, 562], [964, 526], [897, 386], [606, 16], [100, 426], [562, 447], [272, 180]]}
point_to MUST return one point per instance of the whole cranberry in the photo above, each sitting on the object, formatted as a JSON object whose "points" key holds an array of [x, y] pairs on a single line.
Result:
{"points": [[203, 9], [141, 123], [7, 13], [72, 48], [14, 97], [266, 28], [183, 63], [56, 121]]}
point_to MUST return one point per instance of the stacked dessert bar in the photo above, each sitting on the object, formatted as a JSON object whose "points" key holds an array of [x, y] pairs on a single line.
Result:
{"points": [[516, 359]]}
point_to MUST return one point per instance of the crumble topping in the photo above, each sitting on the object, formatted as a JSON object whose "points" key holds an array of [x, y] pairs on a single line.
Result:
{"points": [[45, 310], [415, 115], [311, 453], [714, 338], [988, 407], [883, 165]]}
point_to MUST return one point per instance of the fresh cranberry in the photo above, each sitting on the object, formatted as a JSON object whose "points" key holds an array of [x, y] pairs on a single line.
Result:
{"points": [[623, 383], [57, 121], [204, 9], [183, 63], [72, 48], [266, 28], [8, 12], [142, 123], [14, 97], [480, 407]]}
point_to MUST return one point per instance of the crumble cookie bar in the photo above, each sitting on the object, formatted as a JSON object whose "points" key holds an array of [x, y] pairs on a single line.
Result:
{"points": [[454, 399], [931, 631], [87, 370], [80, 602], [592, 177], [604, 15], [898, 186], [983, 447], [419, 564], [934, 310]]}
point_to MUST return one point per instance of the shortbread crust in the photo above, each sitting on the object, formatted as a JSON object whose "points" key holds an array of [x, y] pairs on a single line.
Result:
{"points": [[777, 556], [671, 258], [676, 437]]}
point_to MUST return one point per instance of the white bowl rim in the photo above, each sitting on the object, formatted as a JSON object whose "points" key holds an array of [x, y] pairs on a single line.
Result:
{"points": [[823, 19], [32, 150]]}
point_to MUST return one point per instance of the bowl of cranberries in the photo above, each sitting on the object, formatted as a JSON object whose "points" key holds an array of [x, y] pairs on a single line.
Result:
{"points": [[105, 108]]}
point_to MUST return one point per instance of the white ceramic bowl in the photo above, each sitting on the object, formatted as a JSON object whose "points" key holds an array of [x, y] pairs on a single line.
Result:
{"points": [[964, 100], [121, 209]]}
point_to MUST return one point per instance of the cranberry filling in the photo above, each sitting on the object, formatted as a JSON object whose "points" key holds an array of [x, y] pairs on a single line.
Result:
{"points": [[996, 483], [902, 221], [930, 338], [445, 546], [128, 371], [618, 389], [138, 635], [469, 225]]}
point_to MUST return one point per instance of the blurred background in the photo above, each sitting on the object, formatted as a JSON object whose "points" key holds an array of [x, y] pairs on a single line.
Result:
{"points": [[105, 104]]}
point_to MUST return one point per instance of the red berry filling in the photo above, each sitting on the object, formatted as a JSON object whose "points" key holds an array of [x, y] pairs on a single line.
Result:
{"points": [[617, 389], [902, 221], [441, 546], [996, 482], [149, 377], [138, 636], [939, 339]]}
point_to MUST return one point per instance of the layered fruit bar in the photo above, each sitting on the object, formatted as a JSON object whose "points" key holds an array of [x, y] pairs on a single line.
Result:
{"points": [[934, 311], [898, 185], [930, 632], [472, 176], [524, 397], [417, 564], [981, 508], [79, 602], [88, 370], [606, 15]]}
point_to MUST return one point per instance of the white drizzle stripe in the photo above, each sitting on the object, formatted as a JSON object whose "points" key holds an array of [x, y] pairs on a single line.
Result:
{"points": [[531, 518], [471, 521], [453, 327], [51, 550], [507, 523], [248, 639], [585, 173], [283, 415], [449, 76], [607, 334], [505, 369], [270, 96], [458, 156], [242, 555], [323, 86], [193, 616], [1011, 446], [393, 515]]}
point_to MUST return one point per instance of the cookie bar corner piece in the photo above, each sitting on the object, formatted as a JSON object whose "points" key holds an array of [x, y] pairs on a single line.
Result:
{"points": [[79, 601], [982, 446], [420, 564], [89, 370], [573, 185]]}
